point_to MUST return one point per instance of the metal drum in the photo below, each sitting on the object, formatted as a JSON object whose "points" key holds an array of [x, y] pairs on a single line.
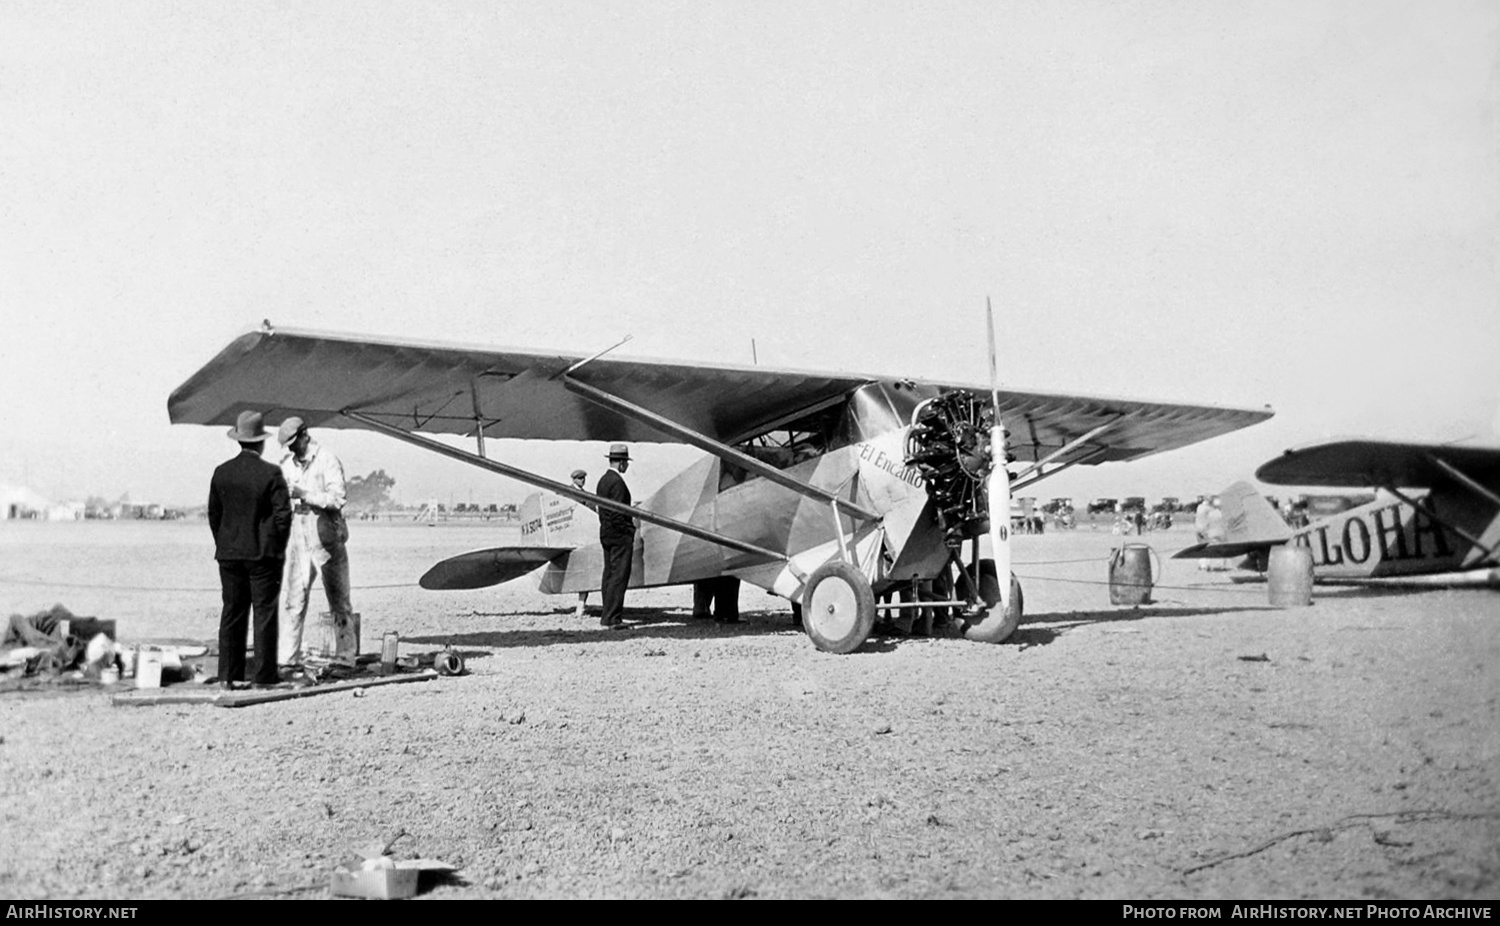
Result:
{"points": [[1289, 576], [1130, 574]]}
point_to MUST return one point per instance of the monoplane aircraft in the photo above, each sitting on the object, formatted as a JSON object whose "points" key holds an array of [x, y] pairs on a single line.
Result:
{"points": [[827, 489], [1435, 518]]}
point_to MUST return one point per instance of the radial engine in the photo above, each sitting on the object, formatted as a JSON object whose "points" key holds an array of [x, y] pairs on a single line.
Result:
{"points": [[948, 443]]}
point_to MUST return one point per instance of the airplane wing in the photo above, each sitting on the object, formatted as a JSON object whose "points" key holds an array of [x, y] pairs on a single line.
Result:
{"points": [[519, 394], [1366, 463]]}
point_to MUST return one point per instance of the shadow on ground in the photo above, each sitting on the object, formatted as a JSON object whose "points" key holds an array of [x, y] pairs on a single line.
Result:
{"points": [[640, 623], [676, 624], [1033, 633]]}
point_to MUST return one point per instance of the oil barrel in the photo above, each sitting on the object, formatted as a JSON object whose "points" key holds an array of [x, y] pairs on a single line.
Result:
{"points": [[1289, 576], [1130, 574]]}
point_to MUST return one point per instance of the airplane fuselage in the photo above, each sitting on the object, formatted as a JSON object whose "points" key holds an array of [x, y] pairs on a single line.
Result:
{"points": [[1389, 537], [863, 464]]}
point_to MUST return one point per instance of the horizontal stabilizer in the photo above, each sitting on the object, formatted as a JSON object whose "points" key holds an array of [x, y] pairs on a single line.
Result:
{"points": [[1244, 523], [1224, 550], [483, 568]]}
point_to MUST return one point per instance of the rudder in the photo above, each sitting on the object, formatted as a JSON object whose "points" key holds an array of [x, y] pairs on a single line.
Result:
{"points": [[1249, 523]]}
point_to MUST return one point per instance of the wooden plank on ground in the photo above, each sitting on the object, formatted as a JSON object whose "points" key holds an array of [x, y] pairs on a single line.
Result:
{"points": [[186, 694]]}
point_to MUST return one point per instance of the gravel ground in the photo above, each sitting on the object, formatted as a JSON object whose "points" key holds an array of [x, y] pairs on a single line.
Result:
{"points": [[1205, 746]]}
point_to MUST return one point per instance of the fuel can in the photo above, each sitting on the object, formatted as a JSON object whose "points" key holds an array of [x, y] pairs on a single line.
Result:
{"points": [[390, 649]]}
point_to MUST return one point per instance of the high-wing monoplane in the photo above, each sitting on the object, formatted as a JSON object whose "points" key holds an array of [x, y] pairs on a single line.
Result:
{"points": [[1435, 518], [827, 489]]}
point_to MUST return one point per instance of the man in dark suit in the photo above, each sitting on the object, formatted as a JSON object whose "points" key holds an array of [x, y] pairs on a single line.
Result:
{"points": [[617, 536], [250, 514]]}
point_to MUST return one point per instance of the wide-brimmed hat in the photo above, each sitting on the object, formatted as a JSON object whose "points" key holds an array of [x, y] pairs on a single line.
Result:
{"points": [[619, 452], [248, 428], [290, 429], [579, 474]]}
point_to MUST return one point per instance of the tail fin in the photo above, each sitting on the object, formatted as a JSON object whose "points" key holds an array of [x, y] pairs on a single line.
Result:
{"points": [[551, 527], [532, 530], [1248, 524], [553, 521]]}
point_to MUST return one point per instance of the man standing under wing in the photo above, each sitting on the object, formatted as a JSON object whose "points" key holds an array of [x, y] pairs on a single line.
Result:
{"points": [[617, 536], [578, 477], [319, 533], [250, 516]]}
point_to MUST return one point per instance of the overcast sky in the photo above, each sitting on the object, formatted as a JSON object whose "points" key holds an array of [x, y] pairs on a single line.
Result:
{"points": [[1245, 203]]}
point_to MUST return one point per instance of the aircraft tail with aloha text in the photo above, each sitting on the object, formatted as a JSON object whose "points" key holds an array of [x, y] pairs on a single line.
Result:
{"points": [[1435, 519]]}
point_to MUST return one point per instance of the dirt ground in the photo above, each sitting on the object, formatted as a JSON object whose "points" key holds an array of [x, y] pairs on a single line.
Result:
{"points": [[1205, 746]]}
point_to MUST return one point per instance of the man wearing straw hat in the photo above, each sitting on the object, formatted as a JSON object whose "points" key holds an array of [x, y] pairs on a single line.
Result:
{"points": [[617, 536], [250, 514]]}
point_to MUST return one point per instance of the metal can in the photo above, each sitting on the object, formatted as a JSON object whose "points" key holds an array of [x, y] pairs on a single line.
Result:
{"points": [[449, 663], [390, 649]]}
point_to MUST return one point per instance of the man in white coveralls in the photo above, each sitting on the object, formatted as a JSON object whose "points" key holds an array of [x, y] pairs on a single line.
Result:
{"points": [[315, 478]]}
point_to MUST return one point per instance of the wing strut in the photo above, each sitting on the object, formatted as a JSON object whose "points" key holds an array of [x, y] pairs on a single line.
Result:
{"points": [[478, 416], [1422, 506], [567, 491], [592, 358], [1070, 446], [718, 449], [1463, 478], [1020, 483]]}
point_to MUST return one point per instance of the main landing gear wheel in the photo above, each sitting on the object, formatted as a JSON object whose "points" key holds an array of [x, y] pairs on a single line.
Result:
{"points": [[838, 608], [995, 626]]}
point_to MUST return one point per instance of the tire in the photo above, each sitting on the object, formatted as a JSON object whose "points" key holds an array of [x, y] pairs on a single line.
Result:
{"points": [[838, 608], [995, 626]]}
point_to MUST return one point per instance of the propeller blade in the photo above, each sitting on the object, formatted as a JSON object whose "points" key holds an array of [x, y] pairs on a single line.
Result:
{"points": [[989, 321], [997, 484], [483, 568]]}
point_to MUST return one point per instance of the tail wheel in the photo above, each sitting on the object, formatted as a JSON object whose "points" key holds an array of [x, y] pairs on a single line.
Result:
{"points": [[838, 608], [996, 625]]}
